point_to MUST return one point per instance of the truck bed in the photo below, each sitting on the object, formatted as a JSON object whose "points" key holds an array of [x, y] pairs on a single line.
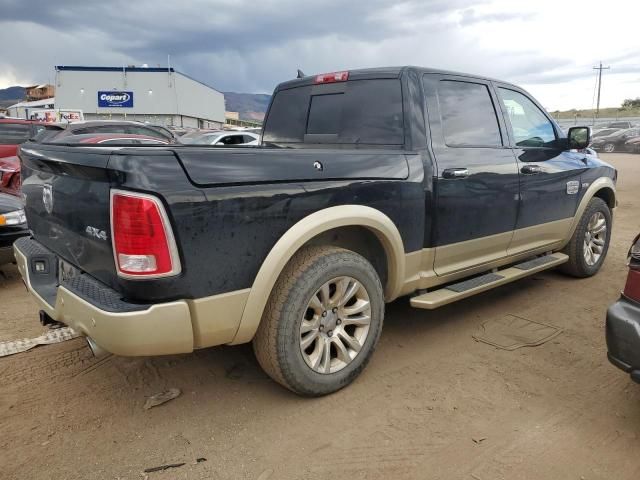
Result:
{"points": [[227, 206]]}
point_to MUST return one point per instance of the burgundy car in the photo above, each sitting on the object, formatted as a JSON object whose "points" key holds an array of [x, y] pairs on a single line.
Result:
{"points": [[623, 320], [13, 132]]}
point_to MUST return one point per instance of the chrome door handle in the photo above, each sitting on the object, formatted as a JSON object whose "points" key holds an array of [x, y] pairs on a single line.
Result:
{"points": [[531, 169], [453, 173]]}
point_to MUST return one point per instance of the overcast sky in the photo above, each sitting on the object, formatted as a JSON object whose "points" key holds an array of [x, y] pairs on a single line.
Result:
{"points": [[547, 46]]}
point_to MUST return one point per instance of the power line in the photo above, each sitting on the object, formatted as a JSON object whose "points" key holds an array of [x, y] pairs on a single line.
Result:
{"points": [[599, 68]]}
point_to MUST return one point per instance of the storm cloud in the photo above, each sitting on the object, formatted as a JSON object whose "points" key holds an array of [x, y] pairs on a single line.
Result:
{"points": [[250, 46]]}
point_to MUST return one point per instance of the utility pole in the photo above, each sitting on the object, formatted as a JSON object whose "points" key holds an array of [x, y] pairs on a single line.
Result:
{"points": [[599, 68]]}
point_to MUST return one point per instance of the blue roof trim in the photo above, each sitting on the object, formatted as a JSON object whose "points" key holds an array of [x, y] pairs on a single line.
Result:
{"points": [[113, 69], [75, 68]]}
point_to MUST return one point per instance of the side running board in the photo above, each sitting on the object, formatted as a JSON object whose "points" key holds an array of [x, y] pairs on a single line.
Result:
{"points": [[467, 288]]}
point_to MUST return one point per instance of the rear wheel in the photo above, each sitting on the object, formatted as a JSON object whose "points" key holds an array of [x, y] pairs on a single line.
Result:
{"points": [[322, 322], [589, 244], [609, 147]]}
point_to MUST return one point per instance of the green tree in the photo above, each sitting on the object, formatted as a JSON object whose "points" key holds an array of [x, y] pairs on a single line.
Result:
{"points": [[631, 103]]}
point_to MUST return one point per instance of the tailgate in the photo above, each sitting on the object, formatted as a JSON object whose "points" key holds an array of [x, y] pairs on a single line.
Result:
{"points": [[66, 194]]}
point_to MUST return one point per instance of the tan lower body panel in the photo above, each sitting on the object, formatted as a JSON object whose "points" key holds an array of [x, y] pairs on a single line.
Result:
{"points": [[162, 329], [439, 298], [526, 242], [216, 319], [462, 255], [526, 239]]}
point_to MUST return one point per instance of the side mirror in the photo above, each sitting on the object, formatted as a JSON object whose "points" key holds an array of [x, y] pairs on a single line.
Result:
{"points": [[579, 138]]}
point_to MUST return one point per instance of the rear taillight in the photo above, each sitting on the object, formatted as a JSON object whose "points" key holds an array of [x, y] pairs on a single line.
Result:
{"points": [[143, 243], [632, 287], [332, 77]]}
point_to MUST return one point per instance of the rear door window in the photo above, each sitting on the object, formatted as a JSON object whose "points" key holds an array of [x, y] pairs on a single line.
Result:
{"points": [[14, 133], [468, 115], [363, 112]]}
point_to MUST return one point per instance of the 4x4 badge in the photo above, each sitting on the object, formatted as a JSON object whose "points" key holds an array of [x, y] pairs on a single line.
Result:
{"points": [[47, 197], [96, 232]]}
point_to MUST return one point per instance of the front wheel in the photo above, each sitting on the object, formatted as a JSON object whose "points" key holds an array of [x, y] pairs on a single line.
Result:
{"points": [[589, 244], [609, 147], [322, 322]]}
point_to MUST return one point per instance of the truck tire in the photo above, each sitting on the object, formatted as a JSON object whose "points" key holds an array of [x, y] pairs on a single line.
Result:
{"points": [[322, 321], [589, 244]]}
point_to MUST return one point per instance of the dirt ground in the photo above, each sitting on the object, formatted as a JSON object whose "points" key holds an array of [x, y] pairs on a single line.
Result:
{"points": [[433, 403]]}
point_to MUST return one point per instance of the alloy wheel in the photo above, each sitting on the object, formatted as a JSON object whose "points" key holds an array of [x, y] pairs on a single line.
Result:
{"points": [[595, 238], [335, 325]]}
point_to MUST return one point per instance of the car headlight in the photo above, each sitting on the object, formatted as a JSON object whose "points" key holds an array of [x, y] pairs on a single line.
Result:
{"points": [[16, 217]]}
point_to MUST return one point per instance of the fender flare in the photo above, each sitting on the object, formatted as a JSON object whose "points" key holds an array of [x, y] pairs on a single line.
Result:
{"points": [[602, 183], [303, 231]]}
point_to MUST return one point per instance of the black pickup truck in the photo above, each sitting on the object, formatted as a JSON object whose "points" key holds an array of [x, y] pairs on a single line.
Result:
{"points": [[369, 185]]}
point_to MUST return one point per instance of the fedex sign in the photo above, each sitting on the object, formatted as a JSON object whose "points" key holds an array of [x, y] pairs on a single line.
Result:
{"points": [[115, 99]]}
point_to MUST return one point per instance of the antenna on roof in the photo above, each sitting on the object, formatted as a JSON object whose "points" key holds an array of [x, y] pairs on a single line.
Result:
{"points": [[300, 74]]}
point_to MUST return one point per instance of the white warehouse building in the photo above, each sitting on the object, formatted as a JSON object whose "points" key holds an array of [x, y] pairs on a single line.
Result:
{"points": [[145, 94]]}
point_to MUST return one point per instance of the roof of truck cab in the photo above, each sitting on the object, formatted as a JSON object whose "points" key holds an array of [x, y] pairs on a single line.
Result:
{"points": [[383, 72]]}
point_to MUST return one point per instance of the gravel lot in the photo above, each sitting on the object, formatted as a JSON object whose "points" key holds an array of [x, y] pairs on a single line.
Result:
{"points": [[433, 403]]}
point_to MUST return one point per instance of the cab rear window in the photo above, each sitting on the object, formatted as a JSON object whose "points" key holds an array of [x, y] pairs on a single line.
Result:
{"points": [[325, 114], [363, 112]]}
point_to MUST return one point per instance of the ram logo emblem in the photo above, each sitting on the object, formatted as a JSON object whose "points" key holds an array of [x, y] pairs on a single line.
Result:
{"points": [[47, 198]]}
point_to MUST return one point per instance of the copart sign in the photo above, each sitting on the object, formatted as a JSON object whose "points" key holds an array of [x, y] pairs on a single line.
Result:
{"points": [[115, 99]]}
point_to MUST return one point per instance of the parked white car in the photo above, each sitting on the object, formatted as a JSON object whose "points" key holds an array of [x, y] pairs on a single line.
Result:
{"points": [[226, 138]]}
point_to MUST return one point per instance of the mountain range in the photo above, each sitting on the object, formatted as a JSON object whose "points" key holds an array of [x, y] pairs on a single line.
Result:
{"points": [[250, 106], [11, 95]]}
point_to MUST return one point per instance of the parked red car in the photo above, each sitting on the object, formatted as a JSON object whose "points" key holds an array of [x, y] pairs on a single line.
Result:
{"points": [[13, 132], [623, 320]]}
